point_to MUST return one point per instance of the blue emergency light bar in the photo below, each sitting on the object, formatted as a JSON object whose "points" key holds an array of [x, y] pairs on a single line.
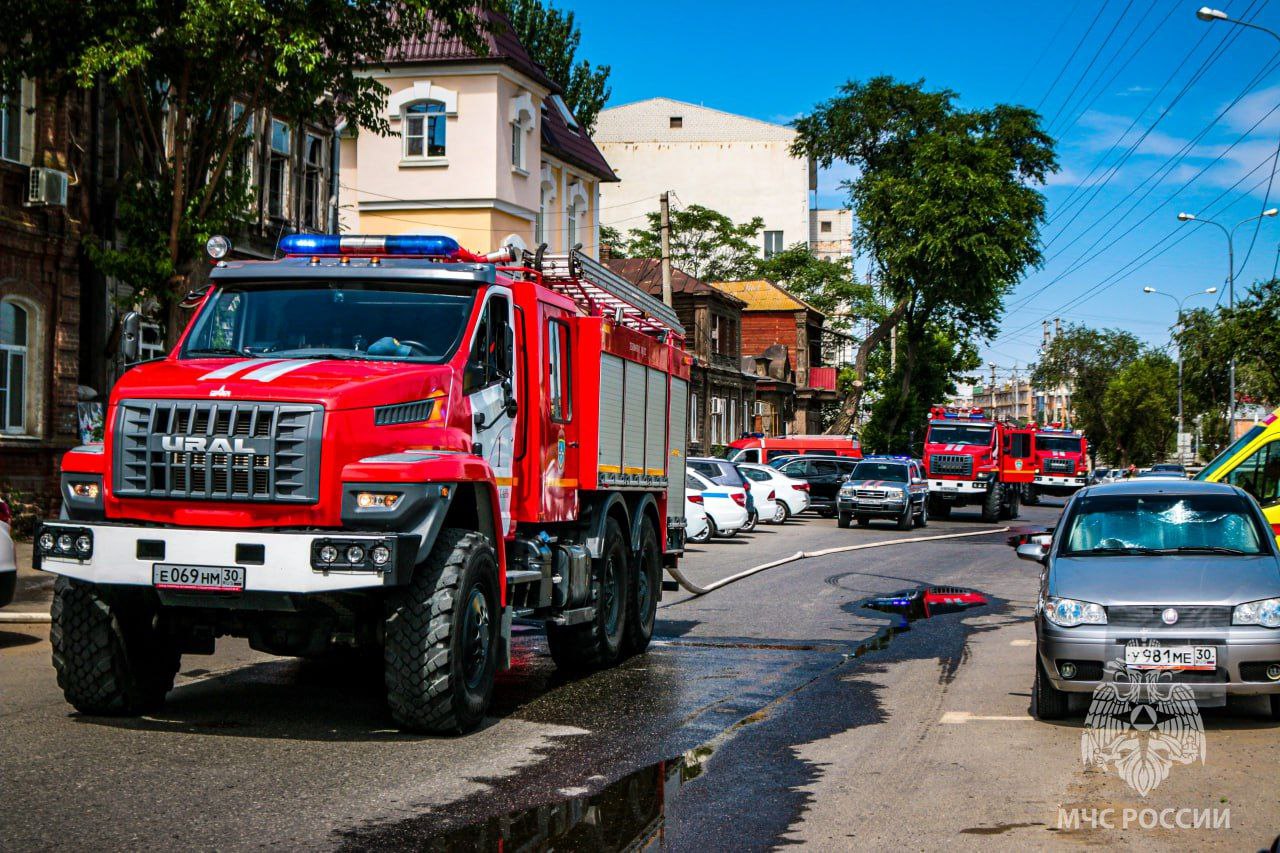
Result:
{"points": [[418, 245], [886, 457]]}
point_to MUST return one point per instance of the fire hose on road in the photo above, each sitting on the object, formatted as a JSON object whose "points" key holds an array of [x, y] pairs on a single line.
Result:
{"points": [[693, 589]]}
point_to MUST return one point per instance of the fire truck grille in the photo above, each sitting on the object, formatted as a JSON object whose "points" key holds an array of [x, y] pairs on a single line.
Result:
{"points": [[1060, 466], [207, 450], [951, 463]]}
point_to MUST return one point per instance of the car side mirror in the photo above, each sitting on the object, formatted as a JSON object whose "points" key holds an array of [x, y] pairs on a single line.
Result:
{"points": [[1033, 551], [130, 336], [473, 375]]}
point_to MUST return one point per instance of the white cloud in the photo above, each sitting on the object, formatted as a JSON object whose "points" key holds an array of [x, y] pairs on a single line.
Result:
{"points": [[1253, 107]]}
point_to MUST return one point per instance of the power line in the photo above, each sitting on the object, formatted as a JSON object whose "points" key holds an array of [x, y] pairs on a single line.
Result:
{"points": [[1092, 61], [1067, 64], [1044, 51]]}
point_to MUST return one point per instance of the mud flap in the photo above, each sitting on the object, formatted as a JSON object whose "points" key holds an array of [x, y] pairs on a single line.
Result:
{"points": [[504, 640]]}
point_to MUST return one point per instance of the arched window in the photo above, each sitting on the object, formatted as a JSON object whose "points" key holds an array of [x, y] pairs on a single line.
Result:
{"points": [[424, 129], [15, 333]]}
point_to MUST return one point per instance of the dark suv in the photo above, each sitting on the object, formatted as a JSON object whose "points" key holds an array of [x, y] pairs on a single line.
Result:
{"points": [[824, 474]]}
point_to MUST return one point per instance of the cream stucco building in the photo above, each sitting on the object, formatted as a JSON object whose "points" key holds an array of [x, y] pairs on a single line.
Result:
{"points": [[484, 150], [739, 166]]}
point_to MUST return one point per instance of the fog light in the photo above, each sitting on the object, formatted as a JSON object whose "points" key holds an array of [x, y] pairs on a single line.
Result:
{"points": [[380, 554], [83, 545], [1273, 672], [1068, 669], [46, 541], [355, 554], [328, 554], [65, 542]]}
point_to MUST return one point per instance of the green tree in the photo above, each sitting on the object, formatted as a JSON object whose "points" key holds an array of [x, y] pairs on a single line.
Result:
{"points": [[705, 244], [175, 68], [1206, 343], [1252, 329], [552, 38], [1086, 360], [1139, 405], [827, 285], [945, 205]]}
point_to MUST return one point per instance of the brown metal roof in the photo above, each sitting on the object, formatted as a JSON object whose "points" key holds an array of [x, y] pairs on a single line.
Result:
{"points": [[504, 47], [647, 273], [572, 145]]}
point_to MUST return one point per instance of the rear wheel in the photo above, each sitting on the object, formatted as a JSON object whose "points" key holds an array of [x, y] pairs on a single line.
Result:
{"points": [[844, 519], [643, 610], [599, 643], [441, 649], [993, 503], [1048, 702], [782, 513], [110, 655], [752, 518], [923, 520]]}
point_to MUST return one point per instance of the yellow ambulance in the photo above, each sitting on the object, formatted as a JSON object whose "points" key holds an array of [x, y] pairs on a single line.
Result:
{"points": [[1253, 464]]}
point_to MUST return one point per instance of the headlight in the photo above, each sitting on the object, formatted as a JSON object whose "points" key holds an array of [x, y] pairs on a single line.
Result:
{"points": [[1068, 613], [1265, 613]]}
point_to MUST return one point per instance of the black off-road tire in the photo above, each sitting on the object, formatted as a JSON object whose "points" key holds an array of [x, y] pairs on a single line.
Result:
{"points": [[1030, 496], [844, 519], [1048, 702], [599, 643], [993, 503], [1014, 506], [907, 518], [1275, 706], [441, 650], [110, 656], [939, 509], [642, 609]]}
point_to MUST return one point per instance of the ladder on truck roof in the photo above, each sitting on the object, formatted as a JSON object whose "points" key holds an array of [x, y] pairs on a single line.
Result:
{"points": [[590, 283]]}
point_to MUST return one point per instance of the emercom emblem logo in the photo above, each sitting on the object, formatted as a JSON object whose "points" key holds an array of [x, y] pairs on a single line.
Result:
{"points": [[1140, 724]]}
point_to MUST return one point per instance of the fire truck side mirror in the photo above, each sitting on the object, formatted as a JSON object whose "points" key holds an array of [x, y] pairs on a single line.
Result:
{"points": [[130, 336]]}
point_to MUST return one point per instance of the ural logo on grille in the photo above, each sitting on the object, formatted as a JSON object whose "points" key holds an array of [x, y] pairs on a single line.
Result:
{"points": [[199, 444]]}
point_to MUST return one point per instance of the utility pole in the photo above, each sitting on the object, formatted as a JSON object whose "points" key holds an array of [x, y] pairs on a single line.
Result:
{"points": [[1017, 391], [992, 365], [665, 199]]}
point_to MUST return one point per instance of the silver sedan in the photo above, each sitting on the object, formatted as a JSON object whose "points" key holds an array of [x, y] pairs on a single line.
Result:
{"points": [[1178, 580]]}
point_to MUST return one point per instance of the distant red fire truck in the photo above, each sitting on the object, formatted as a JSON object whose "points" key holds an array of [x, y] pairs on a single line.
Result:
{"points": [[382, 443], [972, 459], [1062, 464]]}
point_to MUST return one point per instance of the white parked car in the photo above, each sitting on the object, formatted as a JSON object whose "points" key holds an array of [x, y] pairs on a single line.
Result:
{"points": [[696, 528], [726, 506], [8, 563], [790, 496]]}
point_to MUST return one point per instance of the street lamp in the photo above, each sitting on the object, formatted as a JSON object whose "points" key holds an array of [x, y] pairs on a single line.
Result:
{"points": [[1231, 295], [1179, 303]]}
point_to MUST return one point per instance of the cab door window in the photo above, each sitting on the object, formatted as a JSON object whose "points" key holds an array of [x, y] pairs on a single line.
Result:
{"points": [[492, 347], [1259, 474], [558, 383]]}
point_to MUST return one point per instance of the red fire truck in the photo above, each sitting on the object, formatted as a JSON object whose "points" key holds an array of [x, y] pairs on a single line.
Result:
{"points": [[760, 448], [972, 459], [384, 444], [1062, 464]]}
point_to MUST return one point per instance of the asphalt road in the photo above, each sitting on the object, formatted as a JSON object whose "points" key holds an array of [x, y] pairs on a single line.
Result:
{"points": [[773, 711]]}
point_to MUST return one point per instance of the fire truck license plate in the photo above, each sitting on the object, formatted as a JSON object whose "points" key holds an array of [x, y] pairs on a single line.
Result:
{"points": [[203, 578], [1140, 656]]}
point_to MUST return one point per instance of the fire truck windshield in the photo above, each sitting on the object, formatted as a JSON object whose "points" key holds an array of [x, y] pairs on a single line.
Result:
{"points": [[362, 320], [959, 433], [1063, 443]]}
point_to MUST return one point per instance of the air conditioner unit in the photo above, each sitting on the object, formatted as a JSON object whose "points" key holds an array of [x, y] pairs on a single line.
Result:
{"points": [[717, 405], [47, 187]]}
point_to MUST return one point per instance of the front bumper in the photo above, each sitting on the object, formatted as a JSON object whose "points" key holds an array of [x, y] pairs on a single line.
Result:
{"points": [[1243, 653], [272, 562], [1052, 481], [943, 488], [870, 508]]}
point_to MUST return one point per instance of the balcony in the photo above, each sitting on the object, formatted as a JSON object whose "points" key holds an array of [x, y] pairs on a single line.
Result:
{"points": [[822, 378]]}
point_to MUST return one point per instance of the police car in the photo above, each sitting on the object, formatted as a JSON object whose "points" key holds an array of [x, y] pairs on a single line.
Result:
{"points": [[892, 487]]}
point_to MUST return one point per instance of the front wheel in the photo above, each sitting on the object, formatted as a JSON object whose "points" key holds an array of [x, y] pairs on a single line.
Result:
{"points": [[441, 649], [907, 517], [111, 657], [1048, 702], [844, 519], [993, 503], [599, 642], [939, 509]]}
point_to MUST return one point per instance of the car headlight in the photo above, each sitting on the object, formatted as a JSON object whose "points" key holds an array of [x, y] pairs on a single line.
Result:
{"points": [[1068, 613], [1265, 613]]}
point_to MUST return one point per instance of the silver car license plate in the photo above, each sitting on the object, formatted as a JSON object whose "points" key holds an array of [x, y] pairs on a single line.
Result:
{"points": [[1141, 656], [198, 578]]}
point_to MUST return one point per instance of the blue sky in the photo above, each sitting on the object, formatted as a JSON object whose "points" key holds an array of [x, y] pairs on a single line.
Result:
{"points": [[776, 61]]}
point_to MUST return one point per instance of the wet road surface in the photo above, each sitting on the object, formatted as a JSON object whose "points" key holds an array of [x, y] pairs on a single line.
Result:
{"points": [[775, 710]]}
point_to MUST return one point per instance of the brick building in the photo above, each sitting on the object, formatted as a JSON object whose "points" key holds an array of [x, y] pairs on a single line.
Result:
{"points": [[722, 396], [39, 292], [783, 335]]}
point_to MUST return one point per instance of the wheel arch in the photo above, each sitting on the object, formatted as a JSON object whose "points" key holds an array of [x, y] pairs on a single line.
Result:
{"points": [[644, 508], [600, 508]]}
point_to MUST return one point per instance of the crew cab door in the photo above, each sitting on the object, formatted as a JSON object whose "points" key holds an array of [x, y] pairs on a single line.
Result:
{"points": [[490, 385], [1017, 457]]}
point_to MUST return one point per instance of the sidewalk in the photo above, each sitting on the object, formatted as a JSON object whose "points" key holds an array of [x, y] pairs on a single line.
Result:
{"points": [[35, 589]]}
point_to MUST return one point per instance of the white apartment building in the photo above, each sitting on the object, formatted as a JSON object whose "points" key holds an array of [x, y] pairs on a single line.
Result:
{"points": [[739, 166], [831, 234]]}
